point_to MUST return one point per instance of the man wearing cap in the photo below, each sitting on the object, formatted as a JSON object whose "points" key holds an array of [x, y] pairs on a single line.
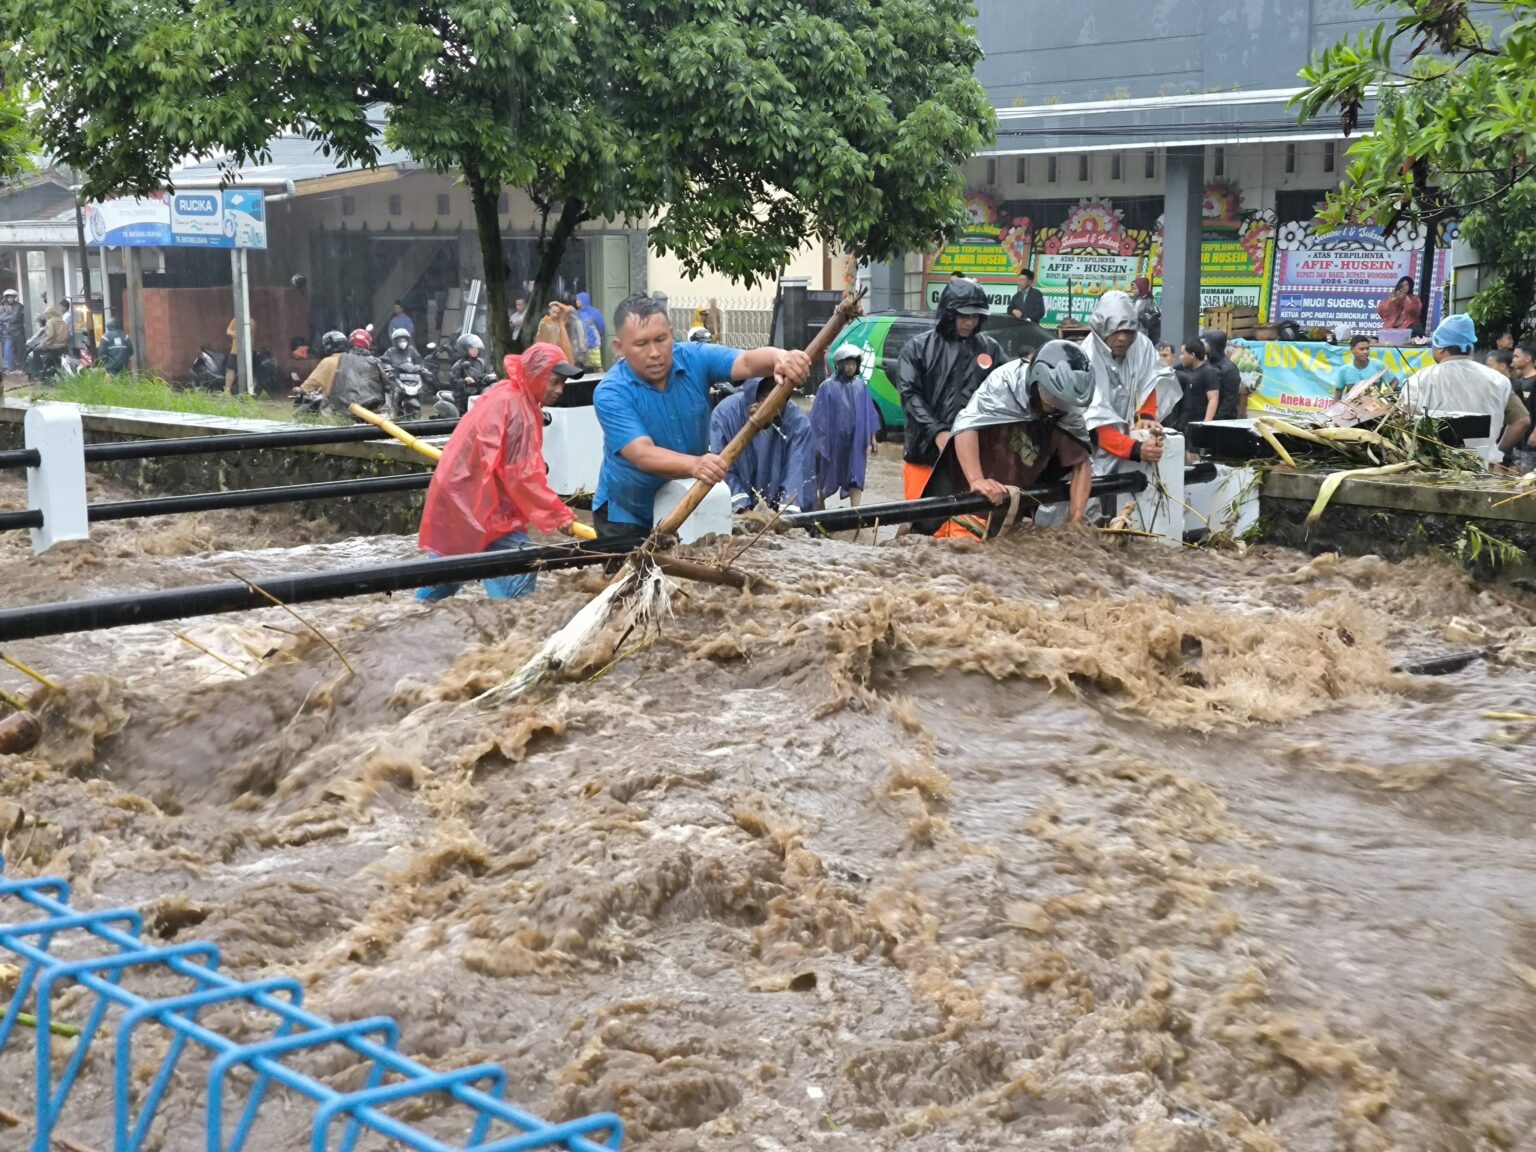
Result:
{"points": [[1456, 383], [938, 374], [491, 484], [653, 407]]}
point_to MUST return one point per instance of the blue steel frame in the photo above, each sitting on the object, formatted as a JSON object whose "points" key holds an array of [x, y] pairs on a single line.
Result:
{"points": [[296, 1030]]}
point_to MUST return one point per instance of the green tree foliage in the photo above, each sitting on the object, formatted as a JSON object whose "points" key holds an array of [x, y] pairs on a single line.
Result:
{"points": [[15, 135], [741, 128], [1453, 102], [1504, 233], [1454, 131]]}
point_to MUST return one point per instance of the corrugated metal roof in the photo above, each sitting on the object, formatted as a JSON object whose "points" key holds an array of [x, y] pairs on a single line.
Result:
{"points": [[292, 158]]}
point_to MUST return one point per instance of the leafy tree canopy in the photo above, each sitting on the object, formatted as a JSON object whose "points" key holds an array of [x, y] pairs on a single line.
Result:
{"points": [[740, 128], [15, 134], [1454, 103], [1454, 132]]}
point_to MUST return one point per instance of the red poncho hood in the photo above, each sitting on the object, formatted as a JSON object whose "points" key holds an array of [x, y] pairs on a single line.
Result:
{"points": [[492, 478]]}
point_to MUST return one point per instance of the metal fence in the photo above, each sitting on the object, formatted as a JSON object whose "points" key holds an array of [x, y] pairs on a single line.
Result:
{"points": [[745, 322], [42, 934]]}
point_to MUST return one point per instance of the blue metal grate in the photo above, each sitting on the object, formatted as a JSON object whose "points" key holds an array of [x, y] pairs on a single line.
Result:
{"points": [[116, 935]]}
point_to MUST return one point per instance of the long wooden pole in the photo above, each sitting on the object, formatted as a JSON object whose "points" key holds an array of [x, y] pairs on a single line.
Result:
{"points": [[768, 410]]}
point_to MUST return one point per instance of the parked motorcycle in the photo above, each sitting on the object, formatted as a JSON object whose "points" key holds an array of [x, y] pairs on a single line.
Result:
{"points": [[207, 370], [74, 362]]}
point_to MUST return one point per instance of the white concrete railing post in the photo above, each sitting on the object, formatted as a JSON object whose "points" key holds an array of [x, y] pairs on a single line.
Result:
{"points": [[711, 518], [56, 487]]}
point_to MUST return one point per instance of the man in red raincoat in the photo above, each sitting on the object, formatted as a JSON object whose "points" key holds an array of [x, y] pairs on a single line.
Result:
{"points": [[491, 486]]}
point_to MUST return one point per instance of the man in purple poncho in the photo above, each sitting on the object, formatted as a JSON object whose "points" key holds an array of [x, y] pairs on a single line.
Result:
{"points": [[775, 468], [846, 427]]}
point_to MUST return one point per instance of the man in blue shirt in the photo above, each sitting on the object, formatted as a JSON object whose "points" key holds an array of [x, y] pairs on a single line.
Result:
{"points": [[398, 319], [654, 410], [1359, 368]]}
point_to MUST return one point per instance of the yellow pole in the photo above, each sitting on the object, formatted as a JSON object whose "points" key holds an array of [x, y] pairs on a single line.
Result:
{"points": [[579, 530], [396, 431]]}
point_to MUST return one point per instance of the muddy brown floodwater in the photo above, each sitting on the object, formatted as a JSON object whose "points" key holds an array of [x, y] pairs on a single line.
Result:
{"points": [[1061, 843]]}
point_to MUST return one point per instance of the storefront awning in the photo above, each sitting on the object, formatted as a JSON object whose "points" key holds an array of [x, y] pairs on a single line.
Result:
{"points": [[1226, 118]]}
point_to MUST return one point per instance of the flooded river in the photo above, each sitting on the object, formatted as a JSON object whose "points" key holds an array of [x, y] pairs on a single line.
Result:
{"points": [[1065, 843]]}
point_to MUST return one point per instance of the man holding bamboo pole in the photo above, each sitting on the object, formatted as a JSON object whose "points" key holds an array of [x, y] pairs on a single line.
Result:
{"points": [[654, 410]]}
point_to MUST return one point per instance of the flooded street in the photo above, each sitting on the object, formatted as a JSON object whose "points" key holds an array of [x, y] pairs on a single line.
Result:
{"points": [[1062, 843]]}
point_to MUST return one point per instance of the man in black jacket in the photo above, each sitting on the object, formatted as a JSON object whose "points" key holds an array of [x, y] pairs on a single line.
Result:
{"points": [[1028, 302], [938, 373], [1230, 403]]}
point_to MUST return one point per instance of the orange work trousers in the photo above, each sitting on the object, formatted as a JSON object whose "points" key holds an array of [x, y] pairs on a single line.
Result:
{"points": [[914, 478]]}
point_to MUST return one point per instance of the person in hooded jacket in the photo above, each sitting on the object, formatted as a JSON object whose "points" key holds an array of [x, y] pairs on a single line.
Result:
{"points": [[1229, 404], [471, 373], [491, 484], [1024, 426], [776, 468], [360, 377], [116, 351], [593, 329], [845, 428], [13, 329], [1133, 391], [938, 373], [556, 328]]}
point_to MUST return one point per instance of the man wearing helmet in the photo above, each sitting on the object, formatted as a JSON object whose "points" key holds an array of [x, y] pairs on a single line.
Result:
{"points": [[845, 428], [13, 328], [401, 357], [938, 373], [471, 374], [1024, 426], [359, 376], [332, 345]]}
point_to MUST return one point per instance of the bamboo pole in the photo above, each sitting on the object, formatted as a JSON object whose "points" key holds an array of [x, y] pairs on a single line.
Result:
{"points": [[768, 410]]}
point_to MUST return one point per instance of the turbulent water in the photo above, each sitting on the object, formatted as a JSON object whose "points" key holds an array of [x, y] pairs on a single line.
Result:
{"points": [[1058, 843]]}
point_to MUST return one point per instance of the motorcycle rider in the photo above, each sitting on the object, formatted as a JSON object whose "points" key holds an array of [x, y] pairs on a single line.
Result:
{"points": [[938, 373], [472, 375], [360, 376], [403, 364], [116, 351], [55, 340], [333, 345]]}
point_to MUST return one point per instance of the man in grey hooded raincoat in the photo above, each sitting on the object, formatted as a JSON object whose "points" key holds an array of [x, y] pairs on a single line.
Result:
{"points": [[1132, 388]]}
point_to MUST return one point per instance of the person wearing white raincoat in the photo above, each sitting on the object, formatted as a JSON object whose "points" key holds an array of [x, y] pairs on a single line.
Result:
{"points": [[1132, 388]]}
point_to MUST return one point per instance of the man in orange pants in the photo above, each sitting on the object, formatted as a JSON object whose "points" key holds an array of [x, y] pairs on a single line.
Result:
{"points": [[938, 373]]}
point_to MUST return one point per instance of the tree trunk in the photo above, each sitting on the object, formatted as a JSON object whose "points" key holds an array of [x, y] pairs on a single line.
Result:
{"points": [[1431, 225], [551, 253], [484, 195]]}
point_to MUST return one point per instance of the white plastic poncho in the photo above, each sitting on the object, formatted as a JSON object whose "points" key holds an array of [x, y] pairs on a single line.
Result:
{"points": [[1121, 388], [1460, 385], [1003, 398]]}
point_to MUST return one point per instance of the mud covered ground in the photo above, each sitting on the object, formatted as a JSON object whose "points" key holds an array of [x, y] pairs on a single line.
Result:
{"points": [[1062, 843]]}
